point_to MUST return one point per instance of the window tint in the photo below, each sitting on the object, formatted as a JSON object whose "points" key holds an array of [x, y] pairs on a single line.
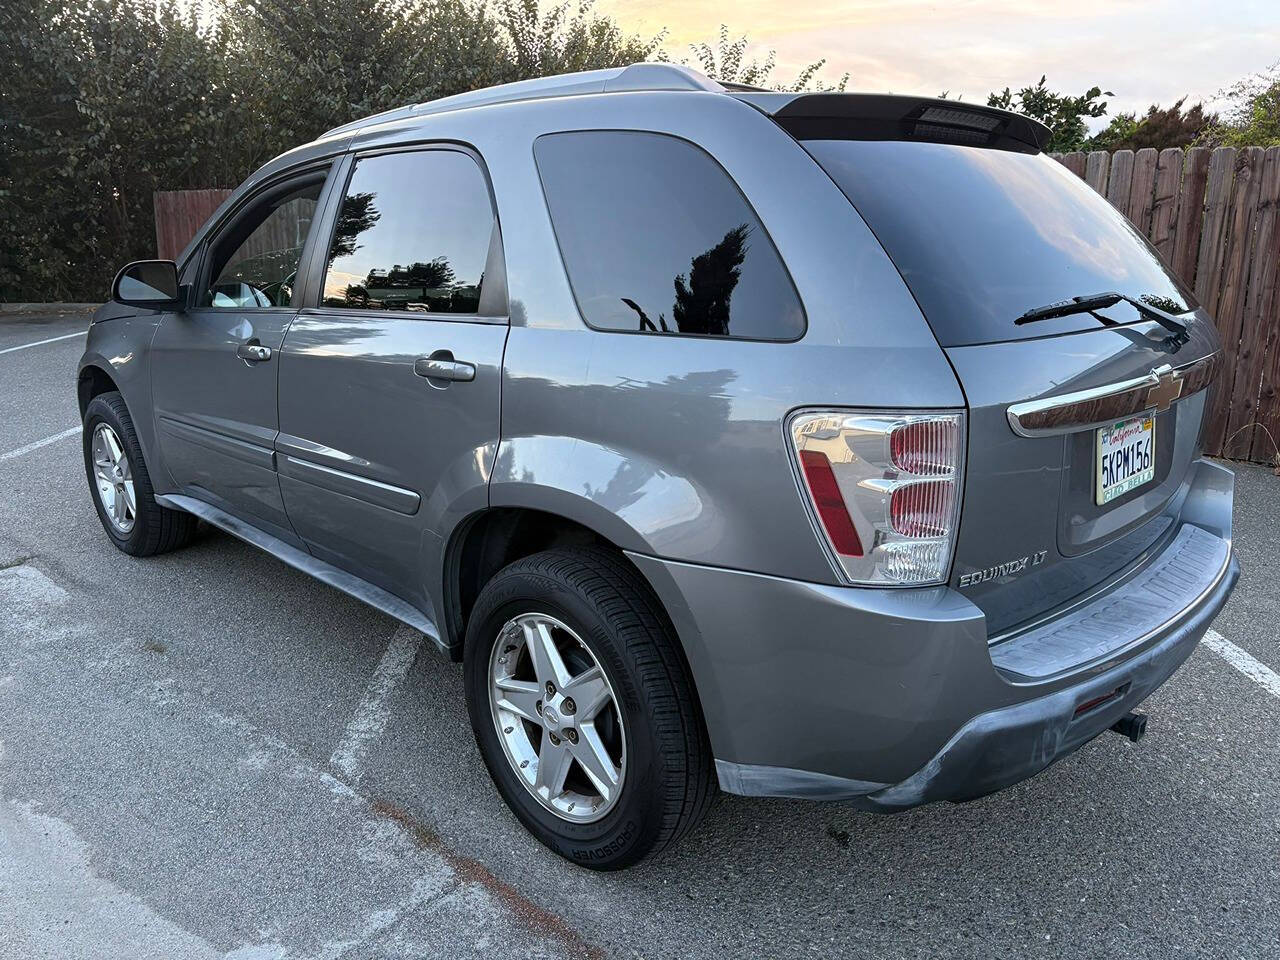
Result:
{"points": [[657, 238], [412, 234], [255, 261], [982, 236]]}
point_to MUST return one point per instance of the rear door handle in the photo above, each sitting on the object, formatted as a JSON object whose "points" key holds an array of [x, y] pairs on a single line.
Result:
{"points": [[253, 352], [442, 368]]}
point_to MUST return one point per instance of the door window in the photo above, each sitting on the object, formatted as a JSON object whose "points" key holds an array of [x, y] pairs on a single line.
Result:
{"points": [[657, 239], [253, 264], [412, 234]]}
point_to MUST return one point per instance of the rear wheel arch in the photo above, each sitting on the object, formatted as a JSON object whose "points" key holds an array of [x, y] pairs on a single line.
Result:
{"points": [[488, 540]]}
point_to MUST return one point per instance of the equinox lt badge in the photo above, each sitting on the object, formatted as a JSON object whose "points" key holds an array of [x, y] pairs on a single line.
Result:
{"points": [[1003, 569]]}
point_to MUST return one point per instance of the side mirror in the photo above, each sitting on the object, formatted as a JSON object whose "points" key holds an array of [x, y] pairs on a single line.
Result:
{"points": [[148, 283]]}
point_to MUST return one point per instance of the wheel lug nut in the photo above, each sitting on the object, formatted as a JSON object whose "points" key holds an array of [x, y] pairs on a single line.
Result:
{"points": [[568, 705], [572, 735], [554, 739], [538, 706], [551, 689]]}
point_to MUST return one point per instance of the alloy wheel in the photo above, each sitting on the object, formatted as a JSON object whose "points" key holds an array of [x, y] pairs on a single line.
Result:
{"points": [[557, 717], [113, 475]]}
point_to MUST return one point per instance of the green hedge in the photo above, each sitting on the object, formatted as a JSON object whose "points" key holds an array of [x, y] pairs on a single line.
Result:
{"points": [[103, 102]]}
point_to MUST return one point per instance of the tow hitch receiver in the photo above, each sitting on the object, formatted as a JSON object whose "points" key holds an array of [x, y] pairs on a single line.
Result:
{"points": [[1131, 725]]}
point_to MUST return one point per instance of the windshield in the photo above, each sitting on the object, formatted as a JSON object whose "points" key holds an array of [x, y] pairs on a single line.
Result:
{"points": [[982, 236]]}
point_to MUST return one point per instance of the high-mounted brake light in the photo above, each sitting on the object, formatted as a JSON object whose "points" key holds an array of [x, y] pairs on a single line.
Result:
{"points": [[885, 490]]}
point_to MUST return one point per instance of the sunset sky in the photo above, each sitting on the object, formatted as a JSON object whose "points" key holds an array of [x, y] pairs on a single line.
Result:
{"points": [[1142, 50]]}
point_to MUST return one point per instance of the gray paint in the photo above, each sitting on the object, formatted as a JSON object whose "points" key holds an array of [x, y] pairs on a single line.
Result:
{"points": [[336, 457]]}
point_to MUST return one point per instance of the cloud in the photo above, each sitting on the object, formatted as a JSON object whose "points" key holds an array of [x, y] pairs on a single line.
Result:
{"points": [[1144, 50]]}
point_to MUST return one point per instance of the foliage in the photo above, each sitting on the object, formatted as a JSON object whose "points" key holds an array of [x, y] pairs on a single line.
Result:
{"points": [[1253, 117], [104, 102], [565, 38], [727, 63], [100, 105], [1064, 115], [1158, 128]]}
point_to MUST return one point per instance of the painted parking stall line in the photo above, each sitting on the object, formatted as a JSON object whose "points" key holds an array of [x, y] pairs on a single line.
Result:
{"points": [[370, 718], [37, 444], [1246, 663], [39, 343]]}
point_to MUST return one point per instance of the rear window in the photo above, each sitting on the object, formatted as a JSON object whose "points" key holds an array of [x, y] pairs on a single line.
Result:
{"points": [[982, 236], [657, 239]]}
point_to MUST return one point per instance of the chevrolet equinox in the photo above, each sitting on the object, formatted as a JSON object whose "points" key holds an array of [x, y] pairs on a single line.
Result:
{"points": [[835, 446]]}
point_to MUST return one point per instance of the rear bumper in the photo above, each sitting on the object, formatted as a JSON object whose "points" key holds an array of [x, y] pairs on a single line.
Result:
{"points": [[1004, 746], [892, 699]]}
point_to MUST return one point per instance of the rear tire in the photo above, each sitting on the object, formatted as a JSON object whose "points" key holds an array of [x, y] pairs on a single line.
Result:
{"points": [[121, 486], [666, 780]]}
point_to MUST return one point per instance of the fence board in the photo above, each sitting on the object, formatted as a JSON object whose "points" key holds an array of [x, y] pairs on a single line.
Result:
{"points": [[1164, 208], [1074, 162], [1212, 234], [1096, 166], [1141, 189], [1186, 242], [1261, 328], [179, 214], [1229, 312], [1120, 180]]}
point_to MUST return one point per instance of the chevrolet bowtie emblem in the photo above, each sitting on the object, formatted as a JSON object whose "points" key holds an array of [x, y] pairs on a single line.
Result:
{"points": [[1167, 388]]}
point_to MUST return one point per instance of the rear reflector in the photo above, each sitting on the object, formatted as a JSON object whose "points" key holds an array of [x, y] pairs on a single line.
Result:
{"points": [[829, 503], [884, 490]]}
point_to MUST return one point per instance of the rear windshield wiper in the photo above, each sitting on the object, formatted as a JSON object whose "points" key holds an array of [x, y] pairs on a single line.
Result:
{"points": [[1099, 301]]}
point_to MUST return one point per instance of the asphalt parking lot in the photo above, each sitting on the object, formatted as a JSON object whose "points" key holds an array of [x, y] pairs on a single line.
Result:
{"points": [[208, 754]]}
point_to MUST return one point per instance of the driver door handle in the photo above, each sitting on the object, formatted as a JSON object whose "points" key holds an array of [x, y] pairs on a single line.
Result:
{"points": [[253, 352], [444, 368]]}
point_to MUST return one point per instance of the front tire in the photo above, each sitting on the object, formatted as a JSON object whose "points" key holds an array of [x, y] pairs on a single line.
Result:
{"points": [[583, 709], [121, 486]]}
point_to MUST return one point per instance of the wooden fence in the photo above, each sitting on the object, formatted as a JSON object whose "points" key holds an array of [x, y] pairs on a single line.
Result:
{"points": [[1215, 217], [179, 214], [1213, 214]]}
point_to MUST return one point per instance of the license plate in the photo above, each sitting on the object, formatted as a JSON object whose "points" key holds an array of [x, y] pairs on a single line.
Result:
{"points": [[1126, 457]]}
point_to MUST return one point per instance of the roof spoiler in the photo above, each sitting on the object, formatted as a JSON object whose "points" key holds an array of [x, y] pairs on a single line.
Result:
{"points": [[873, 116]]}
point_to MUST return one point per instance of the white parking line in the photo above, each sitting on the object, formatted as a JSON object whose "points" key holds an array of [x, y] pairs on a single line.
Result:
{"points": [[25, 346], [40, 443], [1254, 669], [370, 718]]}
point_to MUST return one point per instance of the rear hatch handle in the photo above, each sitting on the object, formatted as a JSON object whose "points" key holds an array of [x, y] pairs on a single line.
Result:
{"points": [[1099, 406]]}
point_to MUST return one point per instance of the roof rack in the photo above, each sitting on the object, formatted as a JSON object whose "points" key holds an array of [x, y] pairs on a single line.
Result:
{"points": [[638, 76]]}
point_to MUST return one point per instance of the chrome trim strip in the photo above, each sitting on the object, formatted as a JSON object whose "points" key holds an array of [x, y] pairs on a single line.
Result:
{"points": [[1029, 410], [341, 482]]}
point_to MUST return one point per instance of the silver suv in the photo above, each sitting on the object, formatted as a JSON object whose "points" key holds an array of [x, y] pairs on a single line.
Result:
{"points": [[800, 445]]}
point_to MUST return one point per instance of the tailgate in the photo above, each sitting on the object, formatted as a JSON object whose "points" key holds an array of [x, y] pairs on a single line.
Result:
{"points": [[1033, 535]]}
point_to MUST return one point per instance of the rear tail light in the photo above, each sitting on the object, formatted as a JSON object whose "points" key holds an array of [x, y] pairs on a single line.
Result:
{"points": [[884, 490]]}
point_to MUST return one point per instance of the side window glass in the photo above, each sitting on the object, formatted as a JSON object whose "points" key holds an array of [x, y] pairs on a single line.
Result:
{"points": [[412, 234], [656, 238], [255, 262]]}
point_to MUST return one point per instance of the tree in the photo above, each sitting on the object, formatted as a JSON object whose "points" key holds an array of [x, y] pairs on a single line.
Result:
{"points": [[1064, 115], [104, 102], [564, 38], [1253, 117], [1158, 128], [726, 62], [702, 299]]}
